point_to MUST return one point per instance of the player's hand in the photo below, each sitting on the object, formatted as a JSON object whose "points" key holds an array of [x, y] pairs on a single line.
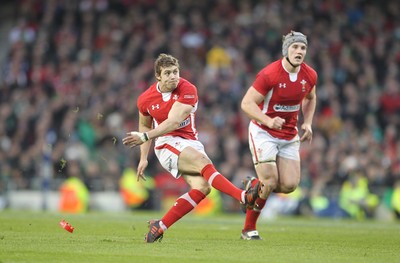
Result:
{"points": [[276, 123], [135, 138], [140, 170], [307, 133]]}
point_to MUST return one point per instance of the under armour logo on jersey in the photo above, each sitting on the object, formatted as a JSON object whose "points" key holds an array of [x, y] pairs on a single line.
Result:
{"points": [[282, 85], [157, 106], [175, 97], [303, 85]]}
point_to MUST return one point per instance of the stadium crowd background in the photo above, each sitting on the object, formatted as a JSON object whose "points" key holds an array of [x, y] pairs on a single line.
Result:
{"points": [[71, 72]]}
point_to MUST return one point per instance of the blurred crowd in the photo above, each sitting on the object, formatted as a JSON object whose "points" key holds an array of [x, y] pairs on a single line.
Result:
{"points": [[74, 70]]}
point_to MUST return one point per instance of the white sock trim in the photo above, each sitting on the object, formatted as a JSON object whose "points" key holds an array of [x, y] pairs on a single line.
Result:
{"points": [[163, 226], [243, 195], [212, 177], [189, 199]]}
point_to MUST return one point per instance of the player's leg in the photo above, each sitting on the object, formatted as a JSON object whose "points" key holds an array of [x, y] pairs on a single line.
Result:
{"points": [[169, 151], [278, 174], [183, 205], [289, 175], [263, 148], [188, 201], [192, 161], [288, 163], [180, 156], [267, 174]]}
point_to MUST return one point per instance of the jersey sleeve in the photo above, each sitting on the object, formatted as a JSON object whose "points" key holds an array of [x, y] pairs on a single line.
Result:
{"points": [[312, 76], [261, 83], [141, 105], [188, 94]]}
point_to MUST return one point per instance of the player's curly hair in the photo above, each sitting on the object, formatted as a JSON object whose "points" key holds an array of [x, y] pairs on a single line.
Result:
{"points": [[163, 61]]}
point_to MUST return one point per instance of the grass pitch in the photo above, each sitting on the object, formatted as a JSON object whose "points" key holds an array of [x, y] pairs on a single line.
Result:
{"points": [[118, 237]]}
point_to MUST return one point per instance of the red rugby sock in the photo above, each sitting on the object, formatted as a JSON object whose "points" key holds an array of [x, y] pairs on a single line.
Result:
{"points": [[220, 183], [183, 205], [253, 214]]}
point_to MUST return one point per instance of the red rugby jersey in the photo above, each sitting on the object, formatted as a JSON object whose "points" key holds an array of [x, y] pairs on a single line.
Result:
{"points": [[157, 105], [284, 93]]}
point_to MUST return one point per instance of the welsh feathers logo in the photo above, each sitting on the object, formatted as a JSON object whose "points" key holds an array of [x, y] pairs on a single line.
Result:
{"points": [[303, 85]]}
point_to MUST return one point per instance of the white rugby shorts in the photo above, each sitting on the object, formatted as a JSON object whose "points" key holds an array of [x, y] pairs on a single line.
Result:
{"points": [[265, 148], [168, 148]]}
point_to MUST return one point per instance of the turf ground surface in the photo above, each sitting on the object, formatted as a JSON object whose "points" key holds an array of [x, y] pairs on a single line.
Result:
{"points": [[118, 237]]}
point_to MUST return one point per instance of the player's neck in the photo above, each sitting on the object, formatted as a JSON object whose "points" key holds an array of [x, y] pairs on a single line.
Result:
{"points": [[160, 88], [289, 67]]}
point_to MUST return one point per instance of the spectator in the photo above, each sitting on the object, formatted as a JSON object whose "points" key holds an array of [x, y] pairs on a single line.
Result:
{"points": [[356, 198]]}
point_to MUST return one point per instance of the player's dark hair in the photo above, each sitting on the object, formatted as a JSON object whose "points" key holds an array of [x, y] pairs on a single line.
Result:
{"points": [[163, 61]]}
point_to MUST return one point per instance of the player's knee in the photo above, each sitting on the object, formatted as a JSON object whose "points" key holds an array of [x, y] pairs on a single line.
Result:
{"points": [[204, 160], [205, 189], [268, 185], [287, 188], [201, 161]]}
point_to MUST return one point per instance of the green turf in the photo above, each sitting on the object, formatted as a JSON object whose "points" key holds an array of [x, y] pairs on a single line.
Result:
{"points": [[118, 237]]}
